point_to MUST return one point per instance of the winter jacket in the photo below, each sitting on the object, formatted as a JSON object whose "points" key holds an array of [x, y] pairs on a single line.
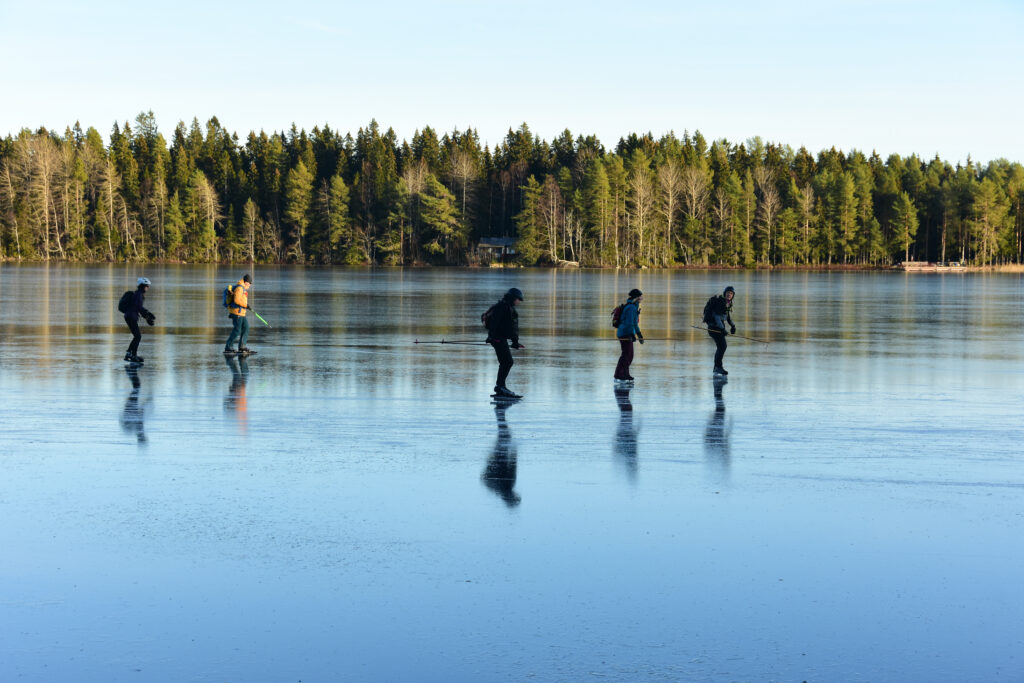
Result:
{"points": [[629, 321], [718, 312], [240, 299], [504, 321], [136, 307]]}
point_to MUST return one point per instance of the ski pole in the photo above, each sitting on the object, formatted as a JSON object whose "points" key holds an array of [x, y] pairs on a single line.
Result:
{"points": [[445, 341], [260, 317], [760, 341]]}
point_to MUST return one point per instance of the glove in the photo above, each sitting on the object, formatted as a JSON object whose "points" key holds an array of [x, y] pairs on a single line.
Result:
{"points": [[151, 319], [641, 337], [517, 345], [732, 329]]}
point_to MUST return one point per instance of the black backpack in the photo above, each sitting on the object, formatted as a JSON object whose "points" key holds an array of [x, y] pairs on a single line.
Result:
{"points": [[709, 311], [125, 302], [485, 317]]}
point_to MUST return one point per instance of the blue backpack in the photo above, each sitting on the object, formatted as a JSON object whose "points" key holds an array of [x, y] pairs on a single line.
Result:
{"points": [[229, 295]]}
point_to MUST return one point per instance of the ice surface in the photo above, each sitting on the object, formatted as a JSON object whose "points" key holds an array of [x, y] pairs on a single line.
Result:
{"points": [[348, 505]]}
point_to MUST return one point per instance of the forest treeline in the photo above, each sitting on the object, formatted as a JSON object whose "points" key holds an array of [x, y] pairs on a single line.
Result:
{"points": [[328, 198]]}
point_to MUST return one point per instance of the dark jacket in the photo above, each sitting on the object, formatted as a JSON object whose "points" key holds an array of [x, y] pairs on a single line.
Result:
{"points": [[504, 321], [718, 312], [136, 307]]}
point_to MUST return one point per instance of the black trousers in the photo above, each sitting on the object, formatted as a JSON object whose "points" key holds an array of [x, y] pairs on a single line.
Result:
{"points": [[719, 337], [625, 359], [133, 325], [505, 361]]}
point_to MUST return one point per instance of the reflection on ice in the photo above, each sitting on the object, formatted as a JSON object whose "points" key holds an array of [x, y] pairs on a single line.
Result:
{"points": [[716, 435], [134, 413], [626, 434], [500, 473], [235, 402], [877, 467]]}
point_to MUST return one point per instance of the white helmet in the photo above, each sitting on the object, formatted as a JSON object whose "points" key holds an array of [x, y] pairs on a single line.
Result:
{"points": [[144, 281]]}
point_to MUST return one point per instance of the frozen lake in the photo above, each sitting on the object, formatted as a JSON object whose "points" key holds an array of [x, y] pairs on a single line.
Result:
{"points": [[348, 505]]}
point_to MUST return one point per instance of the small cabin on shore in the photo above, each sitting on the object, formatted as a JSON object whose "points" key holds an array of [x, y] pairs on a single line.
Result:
{"points": [[496, 249]]}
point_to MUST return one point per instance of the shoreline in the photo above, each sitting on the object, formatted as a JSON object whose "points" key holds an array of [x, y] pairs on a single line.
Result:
{"points": [[1005, 268]]}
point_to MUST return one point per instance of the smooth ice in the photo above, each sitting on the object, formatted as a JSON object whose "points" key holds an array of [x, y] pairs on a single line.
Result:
{"points": [[350, 505]]}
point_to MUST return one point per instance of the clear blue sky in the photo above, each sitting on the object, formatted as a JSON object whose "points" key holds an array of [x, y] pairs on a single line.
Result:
{"points": [[899, 76]]}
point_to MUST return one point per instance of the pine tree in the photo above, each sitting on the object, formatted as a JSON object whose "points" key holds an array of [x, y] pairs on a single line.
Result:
{"points": [[597, 212], [174, 227], [529, 241], [298, 196], [440, 220], [989, 221], [905, 222]]}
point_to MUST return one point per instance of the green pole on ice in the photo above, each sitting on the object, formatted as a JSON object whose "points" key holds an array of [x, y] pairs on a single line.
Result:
{"points": [[261, 318]]}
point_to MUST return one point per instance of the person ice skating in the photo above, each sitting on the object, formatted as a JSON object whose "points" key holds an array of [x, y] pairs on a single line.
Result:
{"points": [[502, 323], [237, 308], [628, 332], [132, 305], [718, 312]]}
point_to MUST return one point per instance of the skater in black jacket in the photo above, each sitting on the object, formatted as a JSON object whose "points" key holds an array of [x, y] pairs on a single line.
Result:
{"points": [[502, 324], [133, 308], [718, 312]]}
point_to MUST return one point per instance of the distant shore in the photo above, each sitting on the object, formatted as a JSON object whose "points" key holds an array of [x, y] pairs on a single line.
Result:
{"points": [[835, 267]]}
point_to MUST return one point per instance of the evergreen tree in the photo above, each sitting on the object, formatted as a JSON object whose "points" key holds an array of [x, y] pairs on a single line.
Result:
{"points": [[174, 227], [989, 222], [597, 212], [440, 220], [529, 242], [298, 198], [905, 221]]}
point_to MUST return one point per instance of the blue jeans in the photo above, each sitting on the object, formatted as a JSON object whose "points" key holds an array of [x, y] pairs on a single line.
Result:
{"points": [[240, 331]]}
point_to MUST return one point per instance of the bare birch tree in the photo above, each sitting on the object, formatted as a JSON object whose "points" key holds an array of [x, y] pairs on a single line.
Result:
{"points": [[696, 190], [769, 205], [670, 182], [551, 214], [641, 205], [463, 170], [10, 202]]}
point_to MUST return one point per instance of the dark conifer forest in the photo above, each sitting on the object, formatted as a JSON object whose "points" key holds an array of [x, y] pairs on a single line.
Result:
{"points": [[325, 197]]}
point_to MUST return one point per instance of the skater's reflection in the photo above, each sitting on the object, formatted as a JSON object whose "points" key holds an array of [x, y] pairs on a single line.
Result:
{"points": [[500, 473], [134, 413], [716, 434], [625, 435], [235, 401]]}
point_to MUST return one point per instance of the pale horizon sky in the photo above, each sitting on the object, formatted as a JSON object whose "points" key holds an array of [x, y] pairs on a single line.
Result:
{"points": [[896, 76]]}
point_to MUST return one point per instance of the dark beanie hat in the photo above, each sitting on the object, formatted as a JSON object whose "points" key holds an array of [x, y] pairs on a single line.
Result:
{"points": [[729, 289], [634, 293], [246, 278]]}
